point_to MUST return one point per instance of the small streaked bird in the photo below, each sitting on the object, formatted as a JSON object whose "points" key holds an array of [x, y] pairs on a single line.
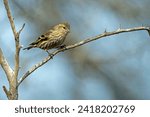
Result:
{"points": [[53, 38]]}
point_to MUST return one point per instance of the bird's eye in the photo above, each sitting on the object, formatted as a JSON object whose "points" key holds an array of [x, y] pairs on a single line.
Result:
{"points": [[42, 36], [64, 27]]}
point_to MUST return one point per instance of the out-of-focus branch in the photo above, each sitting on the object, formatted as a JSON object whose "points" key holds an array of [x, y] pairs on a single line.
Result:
{"points": [[13, 91], [105, 34]]}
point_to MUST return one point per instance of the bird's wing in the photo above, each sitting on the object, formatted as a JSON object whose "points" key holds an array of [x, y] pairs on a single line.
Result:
{"points": [[43, 37]]}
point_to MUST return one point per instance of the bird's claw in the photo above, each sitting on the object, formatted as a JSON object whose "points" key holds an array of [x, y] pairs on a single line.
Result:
{"points": [[50, 54], [62, 46]]}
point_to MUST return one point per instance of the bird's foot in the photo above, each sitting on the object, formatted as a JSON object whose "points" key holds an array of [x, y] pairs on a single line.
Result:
{"points": [[62, 46], [50, 54]]}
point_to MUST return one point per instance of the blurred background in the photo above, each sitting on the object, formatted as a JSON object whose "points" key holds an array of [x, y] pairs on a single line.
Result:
{"points": [[115, 67]]}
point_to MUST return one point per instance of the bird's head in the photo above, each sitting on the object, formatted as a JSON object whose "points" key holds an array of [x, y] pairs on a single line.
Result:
{"points": [[63, 27]]}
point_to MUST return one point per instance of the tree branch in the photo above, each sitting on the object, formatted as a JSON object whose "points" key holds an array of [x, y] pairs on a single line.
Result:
{"points": [[8, 71], [3, 62], [21, 29], [10, 18], [105, 34], [8, 94], [13, 83]]}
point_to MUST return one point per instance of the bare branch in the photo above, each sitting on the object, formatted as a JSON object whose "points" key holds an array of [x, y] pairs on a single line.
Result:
{"points": [[21, 29], [105, 34], [10, 18], [13, 82], [16, 35], [6, 92], [8, 71], [16, 70]]}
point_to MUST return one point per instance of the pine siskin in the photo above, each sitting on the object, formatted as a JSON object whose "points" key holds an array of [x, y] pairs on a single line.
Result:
{"points": [[53, 38]]}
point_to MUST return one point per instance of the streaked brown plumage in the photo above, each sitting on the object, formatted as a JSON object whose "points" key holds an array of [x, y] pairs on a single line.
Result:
{"points": [[53, 38]]}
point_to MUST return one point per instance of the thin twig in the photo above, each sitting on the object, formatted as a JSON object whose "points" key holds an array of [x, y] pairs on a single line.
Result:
{"points": [[105, 34], [21, 29]]}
